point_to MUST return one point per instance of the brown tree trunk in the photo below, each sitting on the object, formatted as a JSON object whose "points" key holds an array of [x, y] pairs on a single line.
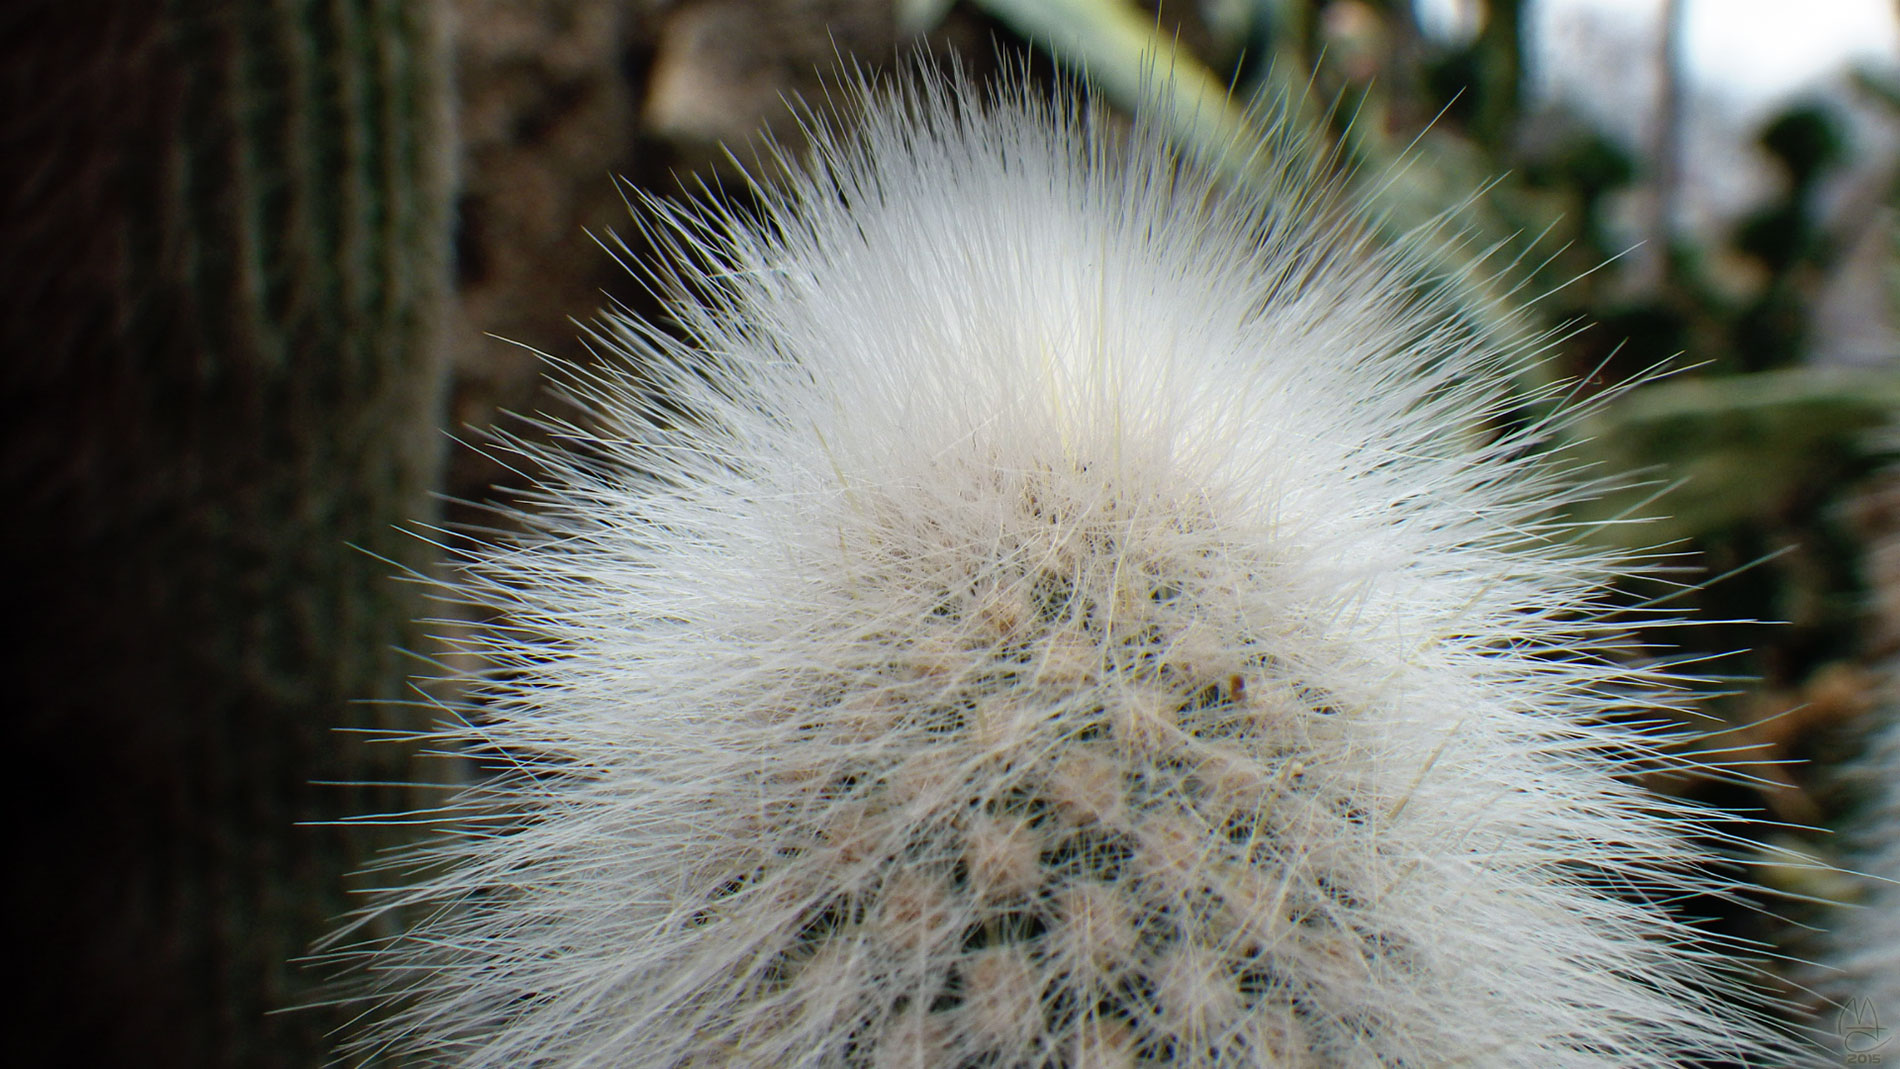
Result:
{"points": [[226, 235]]}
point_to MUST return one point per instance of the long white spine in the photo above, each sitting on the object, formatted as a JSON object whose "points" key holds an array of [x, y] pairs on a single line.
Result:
{"points": [[1053, 612]]}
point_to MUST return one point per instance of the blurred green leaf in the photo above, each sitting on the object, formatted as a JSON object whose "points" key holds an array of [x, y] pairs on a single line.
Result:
{"points": [[1735, 448]]}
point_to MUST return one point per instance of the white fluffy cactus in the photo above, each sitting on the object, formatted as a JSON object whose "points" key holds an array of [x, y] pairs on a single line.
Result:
{"points": [[1056, 613]]}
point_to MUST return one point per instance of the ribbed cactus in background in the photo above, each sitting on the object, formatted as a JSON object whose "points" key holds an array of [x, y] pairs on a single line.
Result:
{"points": [[1053, 613], [228, 243]]}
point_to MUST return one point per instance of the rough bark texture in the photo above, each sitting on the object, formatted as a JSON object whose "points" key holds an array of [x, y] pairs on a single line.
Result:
{"points": [[227, 243]]}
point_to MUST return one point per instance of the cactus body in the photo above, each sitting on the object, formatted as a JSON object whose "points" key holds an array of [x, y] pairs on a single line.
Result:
{"points": [[222, 358], [1053, 613]]}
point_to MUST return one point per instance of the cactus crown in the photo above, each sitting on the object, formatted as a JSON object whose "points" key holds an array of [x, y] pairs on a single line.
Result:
{"points": [[1053, 612]]}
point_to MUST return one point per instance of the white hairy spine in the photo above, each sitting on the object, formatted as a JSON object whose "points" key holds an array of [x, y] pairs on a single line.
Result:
{"points": [[1053, 611]]}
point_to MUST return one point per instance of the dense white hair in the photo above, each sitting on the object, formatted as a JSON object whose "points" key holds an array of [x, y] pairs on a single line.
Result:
{"points": [[1053, 611]]}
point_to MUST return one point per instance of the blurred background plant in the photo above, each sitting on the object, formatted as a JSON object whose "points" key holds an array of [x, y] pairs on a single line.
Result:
{"points": [[1707, 184]]}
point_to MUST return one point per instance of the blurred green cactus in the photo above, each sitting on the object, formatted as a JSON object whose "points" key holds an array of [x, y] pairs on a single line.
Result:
{"points": [[229, 229]]}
